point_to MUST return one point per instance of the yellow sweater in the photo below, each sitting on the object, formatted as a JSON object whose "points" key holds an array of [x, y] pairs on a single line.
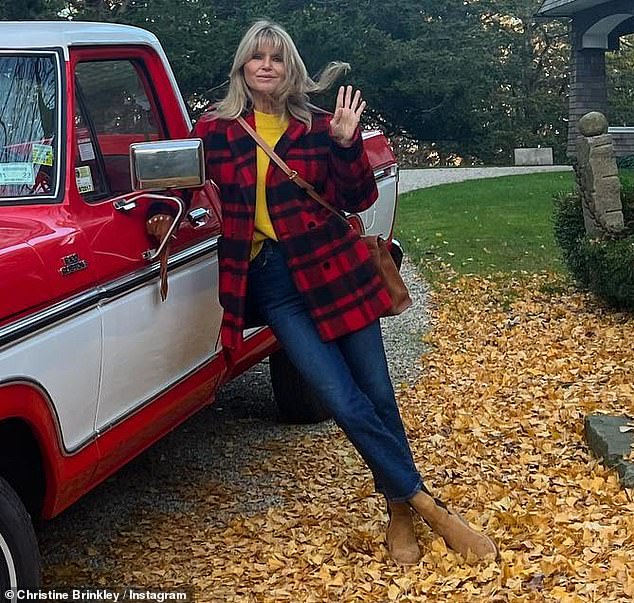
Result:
{"points": [[270, 127]]}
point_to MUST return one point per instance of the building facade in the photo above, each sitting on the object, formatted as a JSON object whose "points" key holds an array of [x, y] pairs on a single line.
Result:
{"points": [[596, 27]]}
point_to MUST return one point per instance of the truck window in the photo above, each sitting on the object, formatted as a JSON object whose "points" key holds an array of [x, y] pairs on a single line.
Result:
{"points": [[117, 106], [29, 122], [89, 164]]}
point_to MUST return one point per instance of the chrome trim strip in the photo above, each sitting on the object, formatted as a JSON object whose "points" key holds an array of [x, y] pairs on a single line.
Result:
{"points": [[29, 324], [44, 318], [127, 283]]}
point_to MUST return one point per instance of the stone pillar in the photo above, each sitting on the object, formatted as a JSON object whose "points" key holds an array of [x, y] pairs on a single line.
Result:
{"points": [[598, 176], [588, 88]]}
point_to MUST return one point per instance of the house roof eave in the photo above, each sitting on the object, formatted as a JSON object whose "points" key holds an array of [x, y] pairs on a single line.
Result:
{"points": [[566, 8]]}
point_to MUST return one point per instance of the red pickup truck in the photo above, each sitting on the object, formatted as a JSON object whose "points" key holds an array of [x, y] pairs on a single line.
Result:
{"points": [[94, 367]]}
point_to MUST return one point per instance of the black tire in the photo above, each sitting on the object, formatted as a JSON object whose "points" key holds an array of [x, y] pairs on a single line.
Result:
{"points": [[19, 555], [296, 401]]}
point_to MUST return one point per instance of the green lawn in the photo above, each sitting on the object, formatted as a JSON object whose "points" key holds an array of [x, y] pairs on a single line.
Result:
{"points": [[484, 226]]}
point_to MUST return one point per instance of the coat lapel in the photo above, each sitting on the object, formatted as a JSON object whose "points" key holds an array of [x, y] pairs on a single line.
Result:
{"points": [[293, 132]]}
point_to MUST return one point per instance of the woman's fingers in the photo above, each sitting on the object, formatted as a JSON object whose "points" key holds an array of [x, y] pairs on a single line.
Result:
{"points": [[355, 101], [340, 96], [360, 109], [347, 114], [348, 100]]}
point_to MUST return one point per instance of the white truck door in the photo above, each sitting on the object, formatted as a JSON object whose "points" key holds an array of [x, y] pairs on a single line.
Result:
{"points": [[148, 345]]}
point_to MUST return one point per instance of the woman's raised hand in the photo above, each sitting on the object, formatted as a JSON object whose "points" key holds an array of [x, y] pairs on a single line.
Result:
{"points": [[347, 114]]}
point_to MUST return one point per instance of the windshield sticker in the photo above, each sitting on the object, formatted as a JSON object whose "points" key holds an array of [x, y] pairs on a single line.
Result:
{"points": [[17, 173], [83, 177], [42, 154], [86, 151]]}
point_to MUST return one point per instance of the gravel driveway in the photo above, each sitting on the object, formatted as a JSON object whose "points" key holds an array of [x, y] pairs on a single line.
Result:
{"points": [[412, 179]]}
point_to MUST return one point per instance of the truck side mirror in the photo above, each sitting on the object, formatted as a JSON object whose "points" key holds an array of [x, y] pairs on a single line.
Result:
{"points": [[166, 164]]}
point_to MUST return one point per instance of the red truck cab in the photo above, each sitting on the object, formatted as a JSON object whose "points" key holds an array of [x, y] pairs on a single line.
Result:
{"points": [[94, 367]]}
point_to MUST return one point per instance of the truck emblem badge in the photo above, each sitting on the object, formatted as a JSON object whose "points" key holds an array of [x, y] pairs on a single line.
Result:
{"points": [[72, 263]]}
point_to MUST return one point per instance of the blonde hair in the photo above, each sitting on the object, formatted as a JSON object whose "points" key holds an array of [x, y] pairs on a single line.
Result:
{"points": [[297, 86]]}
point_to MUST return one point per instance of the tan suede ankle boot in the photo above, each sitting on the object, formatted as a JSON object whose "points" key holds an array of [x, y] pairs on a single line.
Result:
{"points": [[455, 530], [400, 536]]}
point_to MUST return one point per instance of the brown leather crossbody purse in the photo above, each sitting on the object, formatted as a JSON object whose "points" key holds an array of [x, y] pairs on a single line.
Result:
{"points": [[377, 247]]}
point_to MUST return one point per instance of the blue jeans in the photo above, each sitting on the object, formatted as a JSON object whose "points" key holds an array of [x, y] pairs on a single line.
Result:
{"points": [[350, 375]]}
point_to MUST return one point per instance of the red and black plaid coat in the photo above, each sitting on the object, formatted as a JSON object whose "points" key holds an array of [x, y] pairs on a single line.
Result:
{"points": [[328, 262]]}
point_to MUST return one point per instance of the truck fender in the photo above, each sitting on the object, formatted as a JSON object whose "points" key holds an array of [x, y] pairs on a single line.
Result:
{"points": [[64, 474]]}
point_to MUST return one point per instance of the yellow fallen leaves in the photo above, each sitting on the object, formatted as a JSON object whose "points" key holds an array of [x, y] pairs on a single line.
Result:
{"points": [[530, 367], [495, 422]]}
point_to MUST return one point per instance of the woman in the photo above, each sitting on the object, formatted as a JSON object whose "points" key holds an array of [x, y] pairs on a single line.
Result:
{"points": [[308, 276]]}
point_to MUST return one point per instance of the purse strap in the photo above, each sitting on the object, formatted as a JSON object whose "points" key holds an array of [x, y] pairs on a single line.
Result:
{"points": [[292, 175]]}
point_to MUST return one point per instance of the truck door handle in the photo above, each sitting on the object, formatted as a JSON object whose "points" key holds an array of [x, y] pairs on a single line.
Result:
{"points": [[198, 217], [124, 205]]}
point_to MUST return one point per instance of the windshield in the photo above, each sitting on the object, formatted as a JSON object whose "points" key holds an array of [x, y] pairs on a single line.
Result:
{"points": [[29, 154]]}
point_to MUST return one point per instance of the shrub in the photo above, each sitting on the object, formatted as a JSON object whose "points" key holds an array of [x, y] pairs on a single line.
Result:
{"points": [[603, 264], [569, 233], [625, 162]]}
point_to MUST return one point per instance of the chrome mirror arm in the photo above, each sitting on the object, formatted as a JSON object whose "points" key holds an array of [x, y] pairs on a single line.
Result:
{"points": [[150, 255]]}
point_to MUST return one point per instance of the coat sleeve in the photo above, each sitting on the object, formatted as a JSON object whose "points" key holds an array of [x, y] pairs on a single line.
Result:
{"points": [[351, 185]]}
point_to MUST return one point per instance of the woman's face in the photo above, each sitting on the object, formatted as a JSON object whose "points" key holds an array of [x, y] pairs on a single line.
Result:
{"points": [[265, 71]]}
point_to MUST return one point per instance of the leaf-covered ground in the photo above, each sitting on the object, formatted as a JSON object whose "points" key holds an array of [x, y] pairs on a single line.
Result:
{"points": [[495, 422]]}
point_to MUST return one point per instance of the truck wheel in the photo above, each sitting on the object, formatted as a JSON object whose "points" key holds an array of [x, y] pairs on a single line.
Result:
{"points": [[296, 400], [19, 555]]}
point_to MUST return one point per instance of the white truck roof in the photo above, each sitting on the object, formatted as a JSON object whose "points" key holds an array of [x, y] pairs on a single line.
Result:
{"points": [[33, 35], [62, 34]]}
